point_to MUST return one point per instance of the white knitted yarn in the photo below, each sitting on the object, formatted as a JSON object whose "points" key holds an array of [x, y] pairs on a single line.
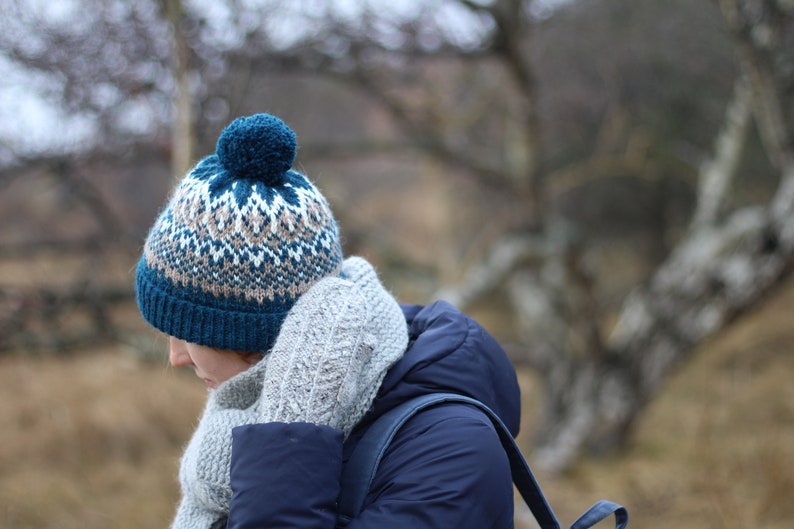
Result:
{"points": [[339, 343], [313, 368], [204, 470], [323, 368], [387, 324]]}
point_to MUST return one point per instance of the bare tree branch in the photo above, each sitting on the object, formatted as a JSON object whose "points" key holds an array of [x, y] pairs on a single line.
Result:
{"points": [[183, 135], [504, 257], [717, 173]]}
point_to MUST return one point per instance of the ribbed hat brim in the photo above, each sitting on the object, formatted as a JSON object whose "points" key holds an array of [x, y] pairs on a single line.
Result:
{"points": [[195, 323]]}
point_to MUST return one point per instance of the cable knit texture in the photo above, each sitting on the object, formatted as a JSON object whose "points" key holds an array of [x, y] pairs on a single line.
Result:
{"points": [[204, 471], [330, 357], [386, 323], [314, 367]]}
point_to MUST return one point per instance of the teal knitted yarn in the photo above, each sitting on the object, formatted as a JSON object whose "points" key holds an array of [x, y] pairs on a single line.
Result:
{"points": [[242, 237]]}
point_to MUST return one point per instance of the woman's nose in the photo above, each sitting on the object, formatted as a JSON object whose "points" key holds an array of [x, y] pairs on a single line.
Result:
{"points": [[178, 353]]}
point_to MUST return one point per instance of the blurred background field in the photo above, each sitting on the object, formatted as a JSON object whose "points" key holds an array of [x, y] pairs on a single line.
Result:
{"points": [[607, 185], [93, 439]]}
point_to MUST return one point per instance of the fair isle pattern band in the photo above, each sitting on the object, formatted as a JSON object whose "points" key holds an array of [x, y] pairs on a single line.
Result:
{"points": [[228, 257], [244, 242]]}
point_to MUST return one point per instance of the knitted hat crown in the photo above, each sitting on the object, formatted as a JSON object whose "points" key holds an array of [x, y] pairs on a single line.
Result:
{"points": [[242, 237]]}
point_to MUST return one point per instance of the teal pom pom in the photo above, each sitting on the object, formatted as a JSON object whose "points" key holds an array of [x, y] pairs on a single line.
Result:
{"points": [[259, 147]]}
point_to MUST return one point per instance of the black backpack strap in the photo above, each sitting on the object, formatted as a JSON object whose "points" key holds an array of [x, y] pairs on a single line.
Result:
{"points": [[359, 472], [598, 512]]}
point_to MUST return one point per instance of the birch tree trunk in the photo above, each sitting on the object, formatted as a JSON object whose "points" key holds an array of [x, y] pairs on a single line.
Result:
{"points": [[717, 271], [182, 133], [596, 386]]}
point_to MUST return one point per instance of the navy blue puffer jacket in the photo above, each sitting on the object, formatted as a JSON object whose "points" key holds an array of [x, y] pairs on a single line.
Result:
{"points": [[445, 468]]}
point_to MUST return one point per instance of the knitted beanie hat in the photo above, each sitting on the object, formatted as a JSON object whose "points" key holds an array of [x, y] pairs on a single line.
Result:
{"points": [[242, 237]]}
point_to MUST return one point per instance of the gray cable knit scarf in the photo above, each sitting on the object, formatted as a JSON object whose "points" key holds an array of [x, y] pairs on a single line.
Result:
{"points": [[204, 471]]}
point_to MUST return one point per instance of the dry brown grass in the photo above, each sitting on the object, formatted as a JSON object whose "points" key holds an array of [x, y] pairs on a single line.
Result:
{"points": [[716, 449], [93, 440]]}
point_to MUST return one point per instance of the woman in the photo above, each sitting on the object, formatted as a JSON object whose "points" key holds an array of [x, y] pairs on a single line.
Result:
{"points": [[302, 349]]}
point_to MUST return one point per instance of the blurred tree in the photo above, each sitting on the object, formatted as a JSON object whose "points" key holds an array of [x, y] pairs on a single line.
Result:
{"points": [[544, 108], [183, 136]]}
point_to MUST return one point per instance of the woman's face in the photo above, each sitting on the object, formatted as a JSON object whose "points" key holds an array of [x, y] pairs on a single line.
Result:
{"points": [[215, 366]]}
